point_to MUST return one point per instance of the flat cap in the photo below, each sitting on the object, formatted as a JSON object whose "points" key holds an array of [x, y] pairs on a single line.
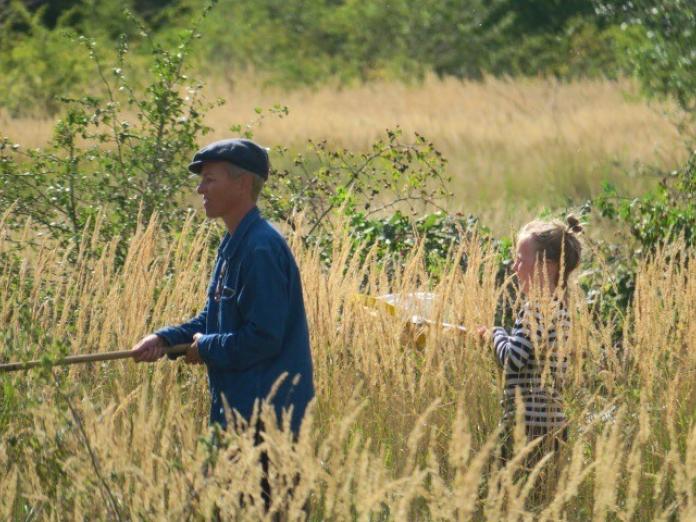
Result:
{"points": [[240, 152]]}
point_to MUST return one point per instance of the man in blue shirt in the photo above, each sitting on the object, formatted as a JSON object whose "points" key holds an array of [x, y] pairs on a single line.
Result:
{"points": [[253, 329]]}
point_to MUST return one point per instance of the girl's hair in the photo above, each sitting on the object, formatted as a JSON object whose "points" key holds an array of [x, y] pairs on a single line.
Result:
{"points": [[555, 240]]}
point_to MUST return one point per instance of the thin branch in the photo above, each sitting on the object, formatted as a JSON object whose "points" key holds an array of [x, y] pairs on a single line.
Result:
{"points": [[24, 180], [319, 221], [410, 197], [100, 71]]}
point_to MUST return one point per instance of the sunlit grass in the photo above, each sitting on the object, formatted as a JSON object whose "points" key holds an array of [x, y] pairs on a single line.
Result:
{"points": [[397, 432]]}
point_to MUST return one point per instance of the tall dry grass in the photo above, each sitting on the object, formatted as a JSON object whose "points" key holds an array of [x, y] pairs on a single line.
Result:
{"points": [[527, 142], [397, 432], [521, 138]]}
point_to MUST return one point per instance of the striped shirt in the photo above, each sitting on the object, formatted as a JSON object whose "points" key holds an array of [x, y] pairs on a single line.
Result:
{"points": [[533, 366]]}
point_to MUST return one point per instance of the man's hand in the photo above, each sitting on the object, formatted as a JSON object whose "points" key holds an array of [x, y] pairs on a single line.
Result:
{"points": [[149, 349], [192, 355]]}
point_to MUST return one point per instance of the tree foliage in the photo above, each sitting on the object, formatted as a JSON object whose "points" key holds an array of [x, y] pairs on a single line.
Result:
{"points": [[308, 41], [99, 158], [661, 50]]}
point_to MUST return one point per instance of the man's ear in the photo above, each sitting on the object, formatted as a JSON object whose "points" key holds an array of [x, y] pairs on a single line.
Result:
{"points": [[249, 183]]}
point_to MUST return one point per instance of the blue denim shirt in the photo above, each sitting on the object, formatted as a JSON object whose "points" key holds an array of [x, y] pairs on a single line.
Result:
{"points": [[254, 325]]}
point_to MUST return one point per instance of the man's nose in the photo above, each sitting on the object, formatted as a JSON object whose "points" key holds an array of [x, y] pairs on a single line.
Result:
{"points": [[199, 188]]}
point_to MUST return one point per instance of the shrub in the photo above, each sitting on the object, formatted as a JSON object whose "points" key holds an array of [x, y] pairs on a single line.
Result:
{"points": [[38, 64], [100, 158], [659, 218]]}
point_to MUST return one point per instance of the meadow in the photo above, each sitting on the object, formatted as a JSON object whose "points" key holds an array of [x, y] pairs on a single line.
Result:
{"points": [[399, 430], [512, 145]]}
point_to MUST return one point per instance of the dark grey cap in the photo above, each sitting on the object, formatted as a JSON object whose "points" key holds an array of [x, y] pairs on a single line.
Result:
{"points": [[240, 152]]}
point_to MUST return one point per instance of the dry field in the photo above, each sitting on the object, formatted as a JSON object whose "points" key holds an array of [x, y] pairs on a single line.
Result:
{"points": [[520, 144], [502, 138], [398, 432]]}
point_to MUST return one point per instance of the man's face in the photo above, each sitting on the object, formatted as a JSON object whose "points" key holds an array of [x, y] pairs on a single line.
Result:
{"points": [[222, 192]]}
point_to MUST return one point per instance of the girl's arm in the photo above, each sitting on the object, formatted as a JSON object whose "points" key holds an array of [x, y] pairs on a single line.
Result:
{"points": [[516, 349]]}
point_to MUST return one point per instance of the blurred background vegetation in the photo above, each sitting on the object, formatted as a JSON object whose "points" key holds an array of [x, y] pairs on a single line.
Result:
{"points": [[301, 42]]}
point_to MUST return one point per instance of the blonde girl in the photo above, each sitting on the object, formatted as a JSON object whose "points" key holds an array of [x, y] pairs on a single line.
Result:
{"points": [[547, 253]]}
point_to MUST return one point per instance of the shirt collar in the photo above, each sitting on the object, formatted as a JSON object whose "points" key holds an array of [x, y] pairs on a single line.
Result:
{"points": [[231, 241]]}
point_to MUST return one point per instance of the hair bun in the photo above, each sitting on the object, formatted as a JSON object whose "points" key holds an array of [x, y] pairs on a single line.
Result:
{"points": [[574, 226]]}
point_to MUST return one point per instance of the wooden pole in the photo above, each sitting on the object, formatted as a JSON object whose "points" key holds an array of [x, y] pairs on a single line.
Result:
{"points": [[85, 358]]}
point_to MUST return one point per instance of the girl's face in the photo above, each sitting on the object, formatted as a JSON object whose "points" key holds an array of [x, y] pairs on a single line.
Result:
{"points": [[526, 269]]}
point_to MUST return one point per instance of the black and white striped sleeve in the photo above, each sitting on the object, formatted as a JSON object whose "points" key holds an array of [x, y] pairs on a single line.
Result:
{"points": [[516, 349]]}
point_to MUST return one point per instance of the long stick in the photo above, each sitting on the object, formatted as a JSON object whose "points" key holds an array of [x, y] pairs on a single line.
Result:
{"points": [[85, 358]]}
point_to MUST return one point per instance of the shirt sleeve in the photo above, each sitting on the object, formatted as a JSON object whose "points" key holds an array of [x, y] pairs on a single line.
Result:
{"points": [[183, 333], [516, 349], [263, 302]]}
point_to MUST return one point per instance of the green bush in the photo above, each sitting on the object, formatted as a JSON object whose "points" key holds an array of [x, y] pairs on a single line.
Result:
{"points": [[394, 173], [101, 162], [663, 216], [659, 46], [37, 65]]}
